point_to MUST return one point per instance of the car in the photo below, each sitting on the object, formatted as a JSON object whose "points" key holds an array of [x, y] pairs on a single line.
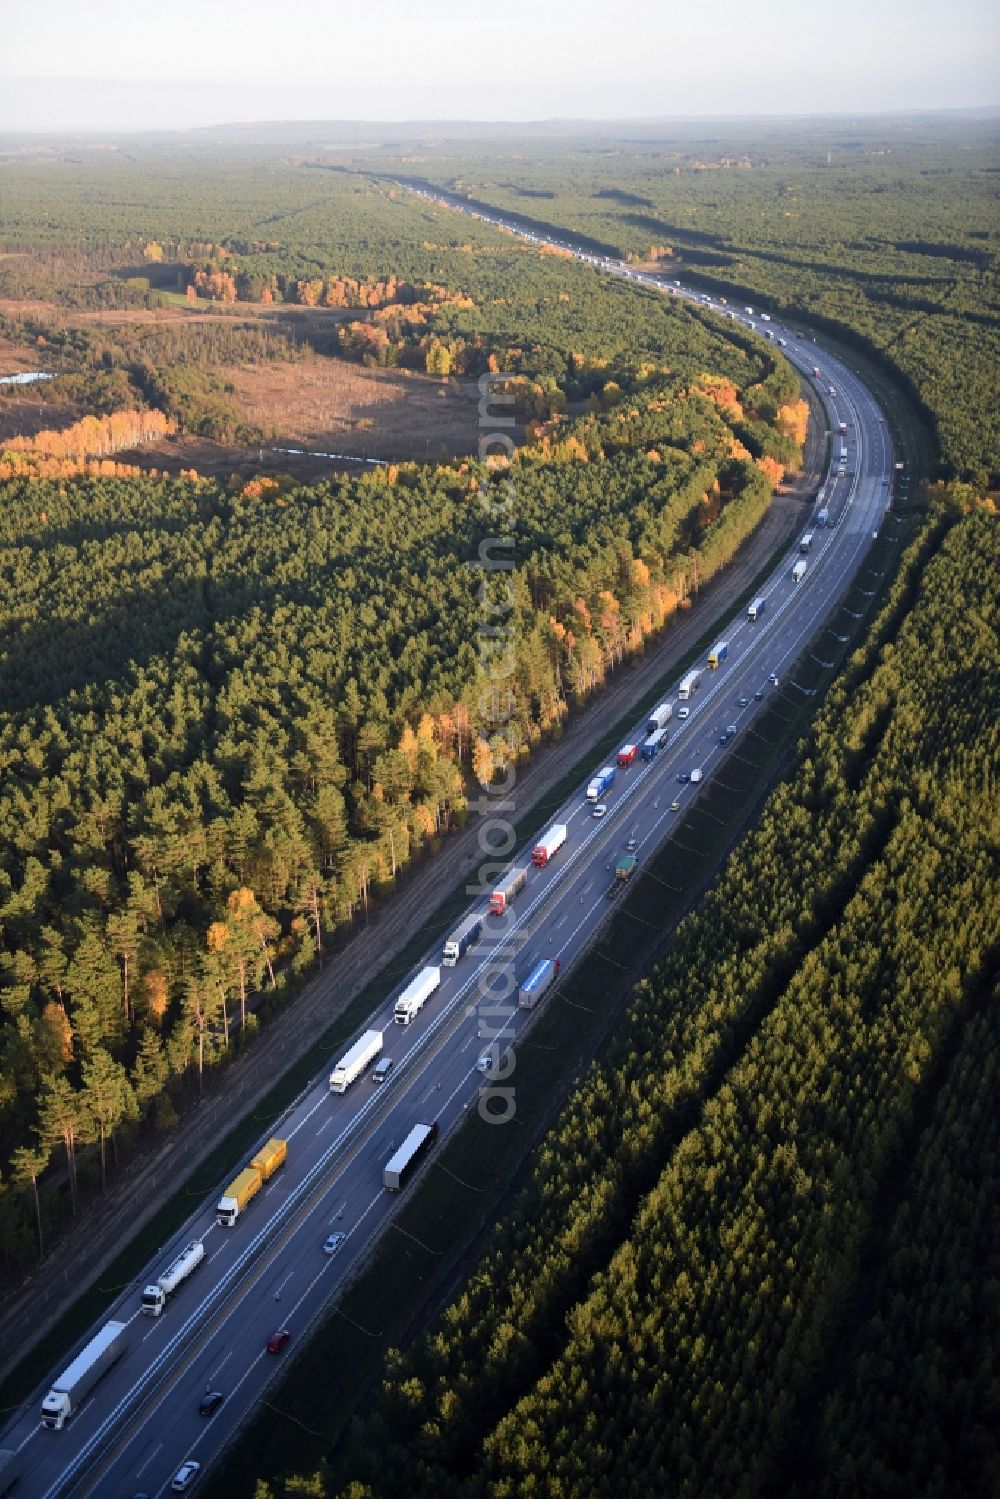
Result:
{"points": [[210, 1402], [696, 775], [675, 806], [383, 1067], [758, 696], [725, 737], [684, 777], [277, 1340], [599, 811], [333, 1242], [485, 1063], [185, 1476], [732, 730], [743, 701], [632, 845], [683, 712], [774, 679]]}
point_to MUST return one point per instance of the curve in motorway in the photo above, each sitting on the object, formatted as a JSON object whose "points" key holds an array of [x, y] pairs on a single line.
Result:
{"points": [[269, 1271]]}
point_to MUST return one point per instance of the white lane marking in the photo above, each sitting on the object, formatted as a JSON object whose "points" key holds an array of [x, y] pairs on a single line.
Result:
{"points": [[140, 1471], [214, 1376], [306, 1117]]}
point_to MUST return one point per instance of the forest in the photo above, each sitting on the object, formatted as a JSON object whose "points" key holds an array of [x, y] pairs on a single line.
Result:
{"points": [[234, 713], [232, 717], [744, 1250], [885, 232], [382, 278]]}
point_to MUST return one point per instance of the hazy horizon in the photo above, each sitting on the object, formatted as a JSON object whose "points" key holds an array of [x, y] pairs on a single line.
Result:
{"points": [[384, 62]]}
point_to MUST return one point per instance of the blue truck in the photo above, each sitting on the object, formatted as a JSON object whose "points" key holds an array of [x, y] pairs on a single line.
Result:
{"points": [[718, 653], [600, 783]]}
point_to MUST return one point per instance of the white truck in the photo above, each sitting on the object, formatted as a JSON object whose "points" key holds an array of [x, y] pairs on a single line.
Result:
{"points": [[535, 985], [659, 717], [416, 994], [689, 684], [155, 1297], [799, 570], [757, 608], [402, 1164], [75, 1383], [549, 845], [351, 1065]]}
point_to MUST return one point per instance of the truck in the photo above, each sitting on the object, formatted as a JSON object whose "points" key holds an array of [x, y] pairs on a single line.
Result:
{"points": [[689, 685], [817, 371], [624, 870], [799, 570], [765, 317], [843, 429], [600, 783], [806, 543], [245, 1187], [269, 1157], [535, 985], [403, 1162], [155, 1297], [718, 653], [514, 882], [626, 755], [651, 745], [460, 941], [237, 1196], [823, 518], [356, 1061], [757, 608], [659, 717], [843, 454], [549, 845], [416, 994], [75, 1383]]}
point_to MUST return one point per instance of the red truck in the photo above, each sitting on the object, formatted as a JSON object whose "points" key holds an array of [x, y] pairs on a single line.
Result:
{"points": [[627, 754], [549, 845]]}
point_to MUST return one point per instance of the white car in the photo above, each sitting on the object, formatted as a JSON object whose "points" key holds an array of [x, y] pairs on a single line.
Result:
{"points": [[683, 712], [185, 1476], [485, 1063], [599, 811], [696, 775]]}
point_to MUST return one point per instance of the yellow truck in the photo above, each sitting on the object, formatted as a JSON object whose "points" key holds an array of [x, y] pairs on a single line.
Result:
{"points": [[270, 1157], [249, 1182]]}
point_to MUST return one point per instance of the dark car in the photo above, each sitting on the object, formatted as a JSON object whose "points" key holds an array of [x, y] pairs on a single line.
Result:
{"points": [[277, 1340], [684, 777], [759, 695], [210, 1402]]}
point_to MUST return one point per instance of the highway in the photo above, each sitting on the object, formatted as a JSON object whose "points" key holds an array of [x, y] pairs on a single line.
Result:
{"points": [[269, 1270]]}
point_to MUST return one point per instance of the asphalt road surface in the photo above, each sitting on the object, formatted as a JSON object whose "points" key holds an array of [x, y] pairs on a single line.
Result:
{"points": [[269, 1271]]}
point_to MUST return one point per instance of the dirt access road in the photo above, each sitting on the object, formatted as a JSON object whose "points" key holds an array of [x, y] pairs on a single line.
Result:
{"points": [[103, 1228]]}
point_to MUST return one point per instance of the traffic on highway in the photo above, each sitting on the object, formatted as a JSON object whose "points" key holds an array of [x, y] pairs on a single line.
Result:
{"points": [[148, 1400]]}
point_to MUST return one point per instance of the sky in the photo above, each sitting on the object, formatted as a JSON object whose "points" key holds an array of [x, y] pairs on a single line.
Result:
{"points": [[123, 65]]}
